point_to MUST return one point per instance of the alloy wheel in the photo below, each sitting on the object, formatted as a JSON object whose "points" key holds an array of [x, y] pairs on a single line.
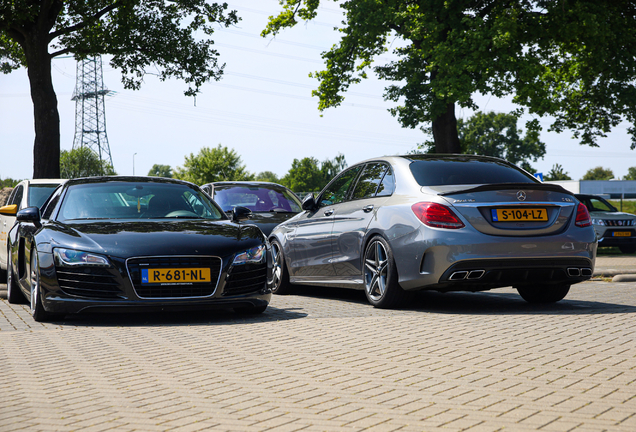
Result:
{"points": [[376, 270]]}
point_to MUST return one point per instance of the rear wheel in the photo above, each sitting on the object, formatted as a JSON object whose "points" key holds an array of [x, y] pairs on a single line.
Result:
{"points": [[542, 294], [628, 249], [380, 275], [281, 283]]}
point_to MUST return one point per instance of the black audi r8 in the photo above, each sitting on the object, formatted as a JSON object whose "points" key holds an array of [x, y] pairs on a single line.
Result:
{"points": [[135, 243]]}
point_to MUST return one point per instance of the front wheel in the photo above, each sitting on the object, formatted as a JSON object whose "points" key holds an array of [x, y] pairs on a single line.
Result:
{"points": [[37, 309], [543, 294], [14, 295], [281, 283], [380, 275]]}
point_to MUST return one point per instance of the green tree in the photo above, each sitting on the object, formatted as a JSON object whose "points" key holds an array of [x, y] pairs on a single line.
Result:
{"points": [[309, 175], [83, 162], [598, 173], [557, 173], [631, 174], [153, 36], [330, 168], [496, 134], [267, 176], [304, 176], [160, 171], [211, 165], [9, 182], [574, 61]]}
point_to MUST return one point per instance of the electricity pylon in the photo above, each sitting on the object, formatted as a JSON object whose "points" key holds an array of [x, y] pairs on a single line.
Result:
{"points": [[90, 115]]}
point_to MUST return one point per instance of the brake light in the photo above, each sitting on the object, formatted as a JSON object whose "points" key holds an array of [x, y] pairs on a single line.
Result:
{"points": [[436, 215], [582, 216]]}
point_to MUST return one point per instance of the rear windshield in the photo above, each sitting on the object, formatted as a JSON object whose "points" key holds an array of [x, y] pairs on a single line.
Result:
{"points": [[437, 172], [39, 193]]}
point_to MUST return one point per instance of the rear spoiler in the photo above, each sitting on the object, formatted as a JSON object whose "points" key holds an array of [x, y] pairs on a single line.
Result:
{"points": [[516, 186]]}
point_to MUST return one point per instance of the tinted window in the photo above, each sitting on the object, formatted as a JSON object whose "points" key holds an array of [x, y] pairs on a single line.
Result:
{"points": [[256, 198], [369, 181], [39, 193], [136, 200], [336, 192], [597, 204], [437, 172], [387, 186], [17, 196]]}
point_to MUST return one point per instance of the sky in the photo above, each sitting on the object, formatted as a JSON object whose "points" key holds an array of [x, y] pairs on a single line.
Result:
{"points": [[262, 108]]}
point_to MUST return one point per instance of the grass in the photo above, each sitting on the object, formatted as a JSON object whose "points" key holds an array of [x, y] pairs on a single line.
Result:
{"points": [[629, 206]]}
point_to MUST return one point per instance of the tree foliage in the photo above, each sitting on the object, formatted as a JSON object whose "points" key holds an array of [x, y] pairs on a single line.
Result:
{"points": [[598, 173], [557, 173], [83, 162], [9, 183], [309, 175], [158, 170], [267, 176], [211, 165], [572, 60], [497, 134], [631, 174], [166, 38]]}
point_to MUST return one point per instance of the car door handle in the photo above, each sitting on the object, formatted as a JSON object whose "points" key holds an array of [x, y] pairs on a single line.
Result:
{"points": [[328, 212], [367, 208]]}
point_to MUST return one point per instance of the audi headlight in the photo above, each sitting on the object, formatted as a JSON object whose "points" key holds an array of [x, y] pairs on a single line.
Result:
{"points": [[254, 255], [72, 258]]}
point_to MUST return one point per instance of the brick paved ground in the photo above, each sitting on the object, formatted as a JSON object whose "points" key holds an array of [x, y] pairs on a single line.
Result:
{"points": [[324, 360]]}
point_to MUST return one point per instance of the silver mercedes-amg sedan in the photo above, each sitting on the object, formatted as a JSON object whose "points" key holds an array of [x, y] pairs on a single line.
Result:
{"points": [[393, 225]]}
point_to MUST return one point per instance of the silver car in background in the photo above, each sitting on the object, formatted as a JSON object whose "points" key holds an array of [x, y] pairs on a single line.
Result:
{"points": [[393, 225], [613, 228]]}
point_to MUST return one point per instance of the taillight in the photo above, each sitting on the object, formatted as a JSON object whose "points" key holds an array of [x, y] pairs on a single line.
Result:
{"points": [[582, 216], [436, 215]]}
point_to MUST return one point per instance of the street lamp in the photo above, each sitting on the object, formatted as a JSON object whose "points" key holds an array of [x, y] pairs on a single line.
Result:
{"points": [[134, 163]]}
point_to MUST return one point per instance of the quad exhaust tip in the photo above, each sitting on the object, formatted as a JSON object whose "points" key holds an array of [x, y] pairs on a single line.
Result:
{"points": [[469, 275], [576, 272]]}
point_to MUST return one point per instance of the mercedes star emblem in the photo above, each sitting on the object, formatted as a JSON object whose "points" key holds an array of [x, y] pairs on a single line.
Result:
{"points": [[521, 196]]}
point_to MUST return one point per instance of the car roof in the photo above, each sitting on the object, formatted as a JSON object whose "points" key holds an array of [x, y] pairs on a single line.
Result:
{"points": [[138, 179], [45, 181]]}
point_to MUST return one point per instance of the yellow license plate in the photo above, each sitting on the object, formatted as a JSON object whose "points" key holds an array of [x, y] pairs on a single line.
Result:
{"points": [[520, 215], [622, 234], [175, 275]]}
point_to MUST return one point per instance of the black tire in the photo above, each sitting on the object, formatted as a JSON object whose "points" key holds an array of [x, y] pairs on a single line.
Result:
{"points": [[380, 276], [630, 249], [252, 310], [3, 275], [37, 309], [280, 275], [14, 295], [543, 294]]}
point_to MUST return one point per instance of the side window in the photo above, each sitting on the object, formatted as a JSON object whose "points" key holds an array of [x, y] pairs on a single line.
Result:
{"points": [[17, 196], [369, 181], [336, 192], [47, 210], [387, 186]]}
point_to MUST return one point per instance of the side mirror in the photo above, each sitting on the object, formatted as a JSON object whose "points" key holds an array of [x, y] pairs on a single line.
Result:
{"points": [[240, 214], [29, 214], [309, 202], [9, 210]]}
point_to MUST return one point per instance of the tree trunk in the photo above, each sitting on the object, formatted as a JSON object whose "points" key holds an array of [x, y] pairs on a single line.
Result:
{"points": [[445, 132], [46, 148]]}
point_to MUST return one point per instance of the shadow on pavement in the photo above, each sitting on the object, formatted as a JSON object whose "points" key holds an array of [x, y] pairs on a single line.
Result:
{"points": [[485, 302]]}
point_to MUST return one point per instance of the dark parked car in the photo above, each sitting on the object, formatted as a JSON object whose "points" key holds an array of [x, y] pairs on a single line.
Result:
{"points": [[135, 243], [436, 222], [613, 228], [270, 203]]}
